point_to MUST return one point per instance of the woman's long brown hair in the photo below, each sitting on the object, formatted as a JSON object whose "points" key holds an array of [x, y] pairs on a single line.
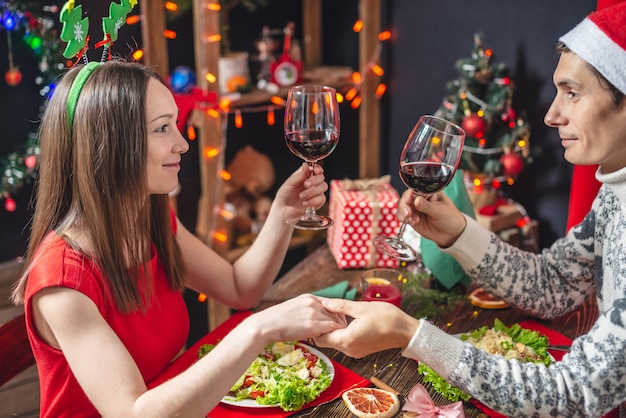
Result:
{"points": [[93, 177]]}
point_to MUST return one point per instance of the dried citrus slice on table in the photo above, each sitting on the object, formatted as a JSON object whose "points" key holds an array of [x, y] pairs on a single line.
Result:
{"points": [[371, 402], [483, 299]]}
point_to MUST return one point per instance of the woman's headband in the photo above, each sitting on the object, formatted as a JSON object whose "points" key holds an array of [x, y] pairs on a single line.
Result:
{"points": [[76, 88]]}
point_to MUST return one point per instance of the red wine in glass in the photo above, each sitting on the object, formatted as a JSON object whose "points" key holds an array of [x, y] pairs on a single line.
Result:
{"points": [[428, 161], [311, 133], [312, 145], [426, 177]]}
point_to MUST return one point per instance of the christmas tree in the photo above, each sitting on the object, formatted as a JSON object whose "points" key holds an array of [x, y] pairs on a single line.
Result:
{"points": [[481, 101]]}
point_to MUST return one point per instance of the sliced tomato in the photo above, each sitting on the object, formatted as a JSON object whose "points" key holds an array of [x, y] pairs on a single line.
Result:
{"points": [[247, 381], [256, 393], [310, 358]]}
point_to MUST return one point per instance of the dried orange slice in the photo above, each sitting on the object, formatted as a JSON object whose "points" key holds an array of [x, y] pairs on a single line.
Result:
{"points": [[483, 299], [371, 402], [378, 281]]}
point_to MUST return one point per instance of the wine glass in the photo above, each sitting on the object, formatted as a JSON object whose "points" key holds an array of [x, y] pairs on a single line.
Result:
{"points": [[311, 133], [428, 162]]}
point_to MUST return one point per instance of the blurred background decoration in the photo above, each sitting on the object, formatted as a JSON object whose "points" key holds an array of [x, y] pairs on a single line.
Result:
{"points": [[481, 101]]}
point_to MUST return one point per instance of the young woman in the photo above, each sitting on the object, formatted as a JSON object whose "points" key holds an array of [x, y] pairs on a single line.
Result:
{"points": [[108, 259], [589, 110]]}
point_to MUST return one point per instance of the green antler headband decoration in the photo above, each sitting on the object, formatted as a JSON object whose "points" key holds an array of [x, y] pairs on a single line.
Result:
{"points": [[75, 32]]}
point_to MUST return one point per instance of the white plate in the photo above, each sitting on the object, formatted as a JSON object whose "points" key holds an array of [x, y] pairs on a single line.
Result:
{"points": [[251, 403]]}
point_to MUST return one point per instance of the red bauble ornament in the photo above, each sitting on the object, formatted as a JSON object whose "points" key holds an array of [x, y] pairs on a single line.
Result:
{"points": [[10, 205], [13, 77], [30, 161], [512, 164], [474, 126]]}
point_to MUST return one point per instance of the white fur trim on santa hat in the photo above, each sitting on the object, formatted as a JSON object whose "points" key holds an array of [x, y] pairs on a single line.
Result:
{"points": [[590, 43]]}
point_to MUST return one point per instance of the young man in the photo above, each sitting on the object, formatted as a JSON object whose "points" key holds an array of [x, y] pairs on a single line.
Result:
{"points": [[589, 110]]}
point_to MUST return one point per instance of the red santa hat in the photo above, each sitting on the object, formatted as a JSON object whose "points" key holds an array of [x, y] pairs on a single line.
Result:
{"points": [[600, 40]]}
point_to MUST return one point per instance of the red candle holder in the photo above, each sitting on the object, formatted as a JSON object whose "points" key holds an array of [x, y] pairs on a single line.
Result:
{"points": [[383, 285]]}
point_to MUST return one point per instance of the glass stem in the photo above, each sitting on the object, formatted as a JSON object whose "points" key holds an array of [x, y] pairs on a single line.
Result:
{"points": [[401, 231], [309, 213]]}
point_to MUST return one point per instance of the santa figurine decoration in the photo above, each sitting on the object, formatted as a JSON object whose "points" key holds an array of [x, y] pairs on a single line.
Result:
{"points": [[287, 70]]}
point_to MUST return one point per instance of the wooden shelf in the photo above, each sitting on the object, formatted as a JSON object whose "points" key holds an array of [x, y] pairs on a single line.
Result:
{"points": [[336, 77]]}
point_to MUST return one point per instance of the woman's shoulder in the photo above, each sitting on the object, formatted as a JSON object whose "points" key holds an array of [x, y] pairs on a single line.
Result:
{"points": [[56, 263]]}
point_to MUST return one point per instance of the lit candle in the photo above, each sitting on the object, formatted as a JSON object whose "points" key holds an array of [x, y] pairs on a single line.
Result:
{"points": [[377, 289]]}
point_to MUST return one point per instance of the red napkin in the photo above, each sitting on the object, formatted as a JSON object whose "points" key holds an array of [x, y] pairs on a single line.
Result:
{"points": [[344, 378]]}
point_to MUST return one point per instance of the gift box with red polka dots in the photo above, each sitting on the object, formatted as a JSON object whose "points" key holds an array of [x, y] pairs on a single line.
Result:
{"points": [[361, 209]]}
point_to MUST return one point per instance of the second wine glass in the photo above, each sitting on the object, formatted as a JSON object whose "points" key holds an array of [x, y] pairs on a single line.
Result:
{"points": [[428, 161], [311, 133]]}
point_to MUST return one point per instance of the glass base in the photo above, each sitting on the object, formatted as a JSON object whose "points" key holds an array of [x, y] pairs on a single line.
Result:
{"points": [[395, 248], [315, 223]]}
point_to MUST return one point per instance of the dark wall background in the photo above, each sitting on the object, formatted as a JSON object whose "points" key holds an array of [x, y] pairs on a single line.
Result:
{"points": [[428, 37]]}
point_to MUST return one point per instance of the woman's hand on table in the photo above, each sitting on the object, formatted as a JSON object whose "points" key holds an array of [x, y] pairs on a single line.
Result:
{"points": [[375, 326], [299, 318], [435, 217]]}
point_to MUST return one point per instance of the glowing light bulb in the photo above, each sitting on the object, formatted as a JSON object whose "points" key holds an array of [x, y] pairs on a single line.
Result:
{"points": [[238, 119], [380, 90], [213, 113], [211, 152], [385, 35], [351, 94], [271, 117], [137, 55], [170, 6], [378, 70], [191, 133], [277, 100], [225, 175], [220, 236]]}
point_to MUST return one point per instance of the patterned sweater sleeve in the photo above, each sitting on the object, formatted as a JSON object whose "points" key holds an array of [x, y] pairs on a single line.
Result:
{"points": [[547, 285], [589, 381]]}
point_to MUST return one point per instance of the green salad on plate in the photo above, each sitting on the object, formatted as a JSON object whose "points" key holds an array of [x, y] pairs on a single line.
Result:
{"points": [[286, 374]]}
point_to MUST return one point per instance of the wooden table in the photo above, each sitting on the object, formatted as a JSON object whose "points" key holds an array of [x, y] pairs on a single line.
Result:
{"points": [[319, 270]]}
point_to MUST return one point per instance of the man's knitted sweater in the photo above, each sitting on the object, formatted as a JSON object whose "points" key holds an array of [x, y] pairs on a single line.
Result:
{"points": [[590, 260]]}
